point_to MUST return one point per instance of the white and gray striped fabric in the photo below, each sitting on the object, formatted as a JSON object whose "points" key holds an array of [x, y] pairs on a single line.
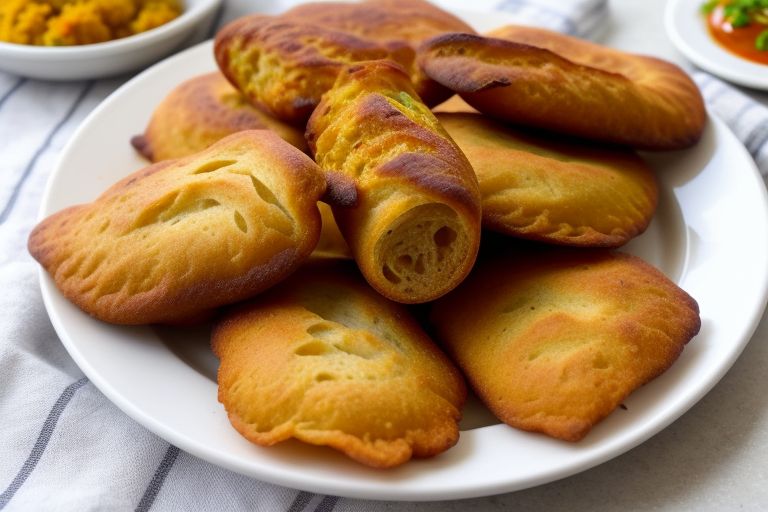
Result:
{"points": [[63, 445]]}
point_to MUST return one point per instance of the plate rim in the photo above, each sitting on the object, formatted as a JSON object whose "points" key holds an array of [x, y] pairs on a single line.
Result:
{"points": [[608, 452]]}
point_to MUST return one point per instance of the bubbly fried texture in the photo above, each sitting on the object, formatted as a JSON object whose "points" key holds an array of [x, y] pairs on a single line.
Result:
{"points": [[201, 111], [552, 340], [324, 359], [413, 218], [554, 189], [537, 77], [183, 236], [286, 63]]}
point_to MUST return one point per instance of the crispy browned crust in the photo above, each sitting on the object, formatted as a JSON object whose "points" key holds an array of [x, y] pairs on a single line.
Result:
{"points": [[324, 359], [389, 22], [286, 66], [201, 111], [414, 229], [184, 236], [553, 340], [286, 63], [549, 80], [552, 188]]}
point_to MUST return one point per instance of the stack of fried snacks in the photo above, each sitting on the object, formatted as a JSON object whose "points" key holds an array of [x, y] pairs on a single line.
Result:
{"points": [[552, 332]]}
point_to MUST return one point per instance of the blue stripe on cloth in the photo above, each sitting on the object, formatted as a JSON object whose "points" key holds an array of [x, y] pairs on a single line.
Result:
{"points": [[12, 90], [741, 111], [49, 425], [150, 493], [569, 26], [713, 91], [31, 165], [756, 138], [577, 24], [301, 500], [327, 505]]}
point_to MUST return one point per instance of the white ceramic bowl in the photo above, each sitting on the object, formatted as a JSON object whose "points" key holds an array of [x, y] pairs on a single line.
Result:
{"points": [[110, 58]]}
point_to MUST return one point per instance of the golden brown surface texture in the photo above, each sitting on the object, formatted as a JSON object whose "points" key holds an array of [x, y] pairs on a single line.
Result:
{"points": [[413, 219], [324, 359], [202, 111], [553, 189], [553, 340], [286, 63], [541, 78], [183, 236]]}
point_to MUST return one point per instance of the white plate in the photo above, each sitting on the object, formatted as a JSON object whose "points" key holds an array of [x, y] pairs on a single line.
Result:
{"points": [[687, 29], [709, 236]]}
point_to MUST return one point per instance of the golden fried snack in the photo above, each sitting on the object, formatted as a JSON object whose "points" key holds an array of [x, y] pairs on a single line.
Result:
{"points": [[541, 78], [553, 189], [390, 23], [413, 218], [553, 340], [183, 236], [202, 111], [286, 63], [324, 359]]}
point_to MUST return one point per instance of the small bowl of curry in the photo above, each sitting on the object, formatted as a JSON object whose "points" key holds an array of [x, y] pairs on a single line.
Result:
{"points": [[728, 38], [86, 39]]}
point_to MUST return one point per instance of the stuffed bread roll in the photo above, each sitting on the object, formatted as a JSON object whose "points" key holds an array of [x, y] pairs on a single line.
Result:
{"points": [[412, 218]]}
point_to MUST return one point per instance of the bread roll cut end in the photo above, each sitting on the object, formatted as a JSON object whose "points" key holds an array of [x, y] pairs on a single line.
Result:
{"points": [[423, 253]]}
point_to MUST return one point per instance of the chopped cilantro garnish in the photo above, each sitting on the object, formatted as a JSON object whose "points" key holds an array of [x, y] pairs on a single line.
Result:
{"points": [[738, 13], [761, 43], [709, 6]]}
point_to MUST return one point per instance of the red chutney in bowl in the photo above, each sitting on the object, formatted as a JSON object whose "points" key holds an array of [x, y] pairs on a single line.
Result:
{"points": [[745, 37]]}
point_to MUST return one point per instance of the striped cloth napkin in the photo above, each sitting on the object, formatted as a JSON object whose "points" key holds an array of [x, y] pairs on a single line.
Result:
{"points": [[63, 445]]}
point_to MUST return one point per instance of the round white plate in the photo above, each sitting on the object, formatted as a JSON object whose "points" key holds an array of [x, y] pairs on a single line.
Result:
{"points": [[687, 29], [708, 235]]}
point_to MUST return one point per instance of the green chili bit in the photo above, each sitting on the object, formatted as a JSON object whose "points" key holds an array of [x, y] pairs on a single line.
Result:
{"points": [[761, 43], [405, 99], [739, 13]]}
